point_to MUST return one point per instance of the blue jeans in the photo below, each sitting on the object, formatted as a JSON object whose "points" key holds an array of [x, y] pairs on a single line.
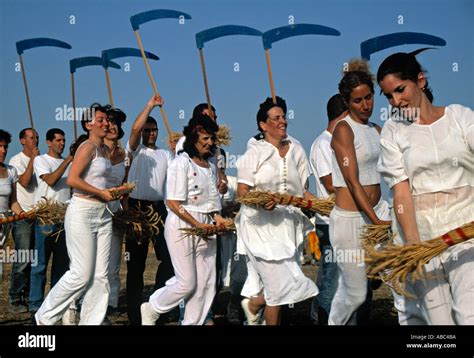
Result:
{"points": [[327, 274], [24, 237], [47, 242]]}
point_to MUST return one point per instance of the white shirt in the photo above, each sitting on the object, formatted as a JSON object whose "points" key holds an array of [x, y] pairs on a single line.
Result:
{"points": [[6, 187], [148, 172], [261, 167], [433, 157], [193, 185], [25, 196], [367, 150], [60, 191], [320, 159], [276, 234]]}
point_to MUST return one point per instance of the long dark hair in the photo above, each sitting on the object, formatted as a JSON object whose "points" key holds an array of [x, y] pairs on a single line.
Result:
{"points": [[405, 67], [199, 123]]}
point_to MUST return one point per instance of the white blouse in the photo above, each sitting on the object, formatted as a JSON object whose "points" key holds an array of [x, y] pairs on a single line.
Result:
{"points": [[261, 167], [193, 185], [433, 157]]}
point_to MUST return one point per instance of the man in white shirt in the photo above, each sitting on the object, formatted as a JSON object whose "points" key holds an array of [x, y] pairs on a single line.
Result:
{"points": [[51, 172], [148, 172], [23, 230], [321, 165]]}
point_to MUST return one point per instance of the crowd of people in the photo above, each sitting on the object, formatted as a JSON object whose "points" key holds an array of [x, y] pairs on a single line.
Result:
{"points": [[424, 153]]}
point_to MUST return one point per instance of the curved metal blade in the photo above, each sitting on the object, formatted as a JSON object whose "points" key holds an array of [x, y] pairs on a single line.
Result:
{"points": [[146, 16], [280, 33], [118, 52], [40, 42], [221, 31], [79, 62], [383, 42]]}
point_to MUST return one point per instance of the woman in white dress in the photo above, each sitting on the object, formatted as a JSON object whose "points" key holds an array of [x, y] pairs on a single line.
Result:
{"points": [[193, 199], [273, 236], [428, 161]]}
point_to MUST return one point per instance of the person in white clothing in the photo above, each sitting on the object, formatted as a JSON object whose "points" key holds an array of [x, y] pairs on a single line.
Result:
{"points": [[320, 158], [8, 193], [193, 199], [358, 196], [23, 230], [428, 161], [272, 237], [148, 172], [88, 226], [50, 171], [118, 159]]}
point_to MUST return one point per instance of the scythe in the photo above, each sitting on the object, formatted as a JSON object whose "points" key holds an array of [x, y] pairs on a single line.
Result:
{"points": [[27, 44]]}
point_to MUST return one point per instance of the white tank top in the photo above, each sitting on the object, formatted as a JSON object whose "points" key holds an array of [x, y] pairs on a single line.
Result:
{"points": [[367, 148], [97, 172]]}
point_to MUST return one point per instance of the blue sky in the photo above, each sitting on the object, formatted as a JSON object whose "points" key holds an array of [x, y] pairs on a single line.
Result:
{"points": [[306, 69]]}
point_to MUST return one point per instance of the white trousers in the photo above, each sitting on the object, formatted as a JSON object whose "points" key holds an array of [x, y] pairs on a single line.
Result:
{"points": [[345, 228], [194, 263], [88, 227], [114, 261]]}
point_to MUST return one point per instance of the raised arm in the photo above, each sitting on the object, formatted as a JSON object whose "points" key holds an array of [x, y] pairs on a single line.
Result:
{"points": [[140, 121]]}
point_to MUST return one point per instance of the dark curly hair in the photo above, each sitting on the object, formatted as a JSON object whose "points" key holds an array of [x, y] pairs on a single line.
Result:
{"points": [[199, 123], [262, 114]]}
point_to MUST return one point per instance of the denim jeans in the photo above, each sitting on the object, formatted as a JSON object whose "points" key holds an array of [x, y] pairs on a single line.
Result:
{"points": [[24, 238], [47, 242], [327, 274]]}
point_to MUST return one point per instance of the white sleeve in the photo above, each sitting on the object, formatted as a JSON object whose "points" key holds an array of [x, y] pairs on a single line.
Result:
{"points": [[390, 164], [465, 116], [132, 152], [247, 166], [177, 179], [323, 159], [15, 162], [41, 166]]}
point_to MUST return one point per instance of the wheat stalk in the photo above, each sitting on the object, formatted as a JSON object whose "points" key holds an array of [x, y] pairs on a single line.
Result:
{"points": [[396, 264], [261, 198]]}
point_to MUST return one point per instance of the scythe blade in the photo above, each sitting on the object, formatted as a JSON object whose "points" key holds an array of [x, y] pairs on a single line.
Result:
{"points": [[147, 16], [280, 33]]}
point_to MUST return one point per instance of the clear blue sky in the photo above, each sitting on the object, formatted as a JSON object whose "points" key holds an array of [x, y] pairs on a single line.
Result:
{"points": [[306, 69]]}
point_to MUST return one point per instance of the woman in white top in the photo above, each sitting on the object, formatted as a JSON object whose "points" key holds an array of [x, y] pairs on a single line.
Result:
{"points": [[8, 180], [193, 199], [88, 226], [357, 186], [427, 160], [273, 236], [116, 178]]}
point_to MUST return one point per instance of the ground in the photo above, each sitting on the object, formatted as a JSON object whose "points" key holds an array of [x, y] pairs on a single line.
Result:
{"points": [[383, 312]]}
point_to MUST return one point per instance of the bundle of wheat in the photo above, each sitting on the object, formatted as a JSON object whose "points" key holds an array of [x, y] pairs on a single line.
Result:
{"points": [[137, 223], [394, 264], [258, 197], [47, 211], [376, 235], [209, 232], [119, 191], [223, 137], [174, 137]]}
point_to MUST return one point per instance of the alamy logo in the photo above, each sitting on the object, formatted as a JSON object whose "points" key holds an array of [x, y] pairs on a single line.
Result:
{"points": [[37, 341]]}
